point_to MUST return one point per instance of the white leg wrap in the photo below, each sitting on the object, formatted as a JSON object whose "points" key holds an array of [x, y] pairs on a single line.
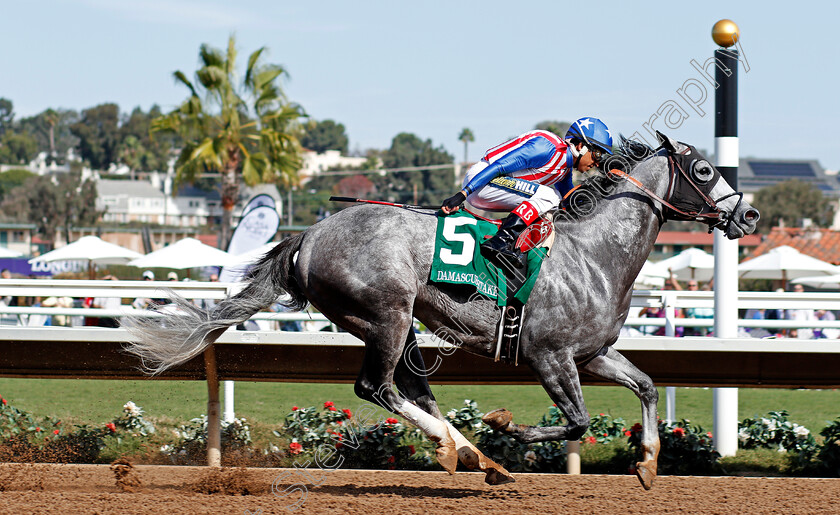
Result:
{"points": [[427, 423]]}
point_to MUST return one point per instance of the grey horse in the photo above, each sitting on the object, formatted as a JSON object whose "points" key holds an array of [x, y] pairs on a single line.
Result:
{"points": [[367, 269]]}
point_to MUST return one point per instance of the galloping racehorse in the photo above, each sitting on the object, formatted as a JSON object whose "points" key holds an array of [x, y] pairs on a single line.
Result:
{"points": [[367, 269]]}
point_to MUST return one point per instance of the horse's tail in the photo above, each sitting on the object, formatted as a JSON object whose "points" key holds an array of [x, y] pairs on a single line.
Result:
{"points": [[165, 342]]}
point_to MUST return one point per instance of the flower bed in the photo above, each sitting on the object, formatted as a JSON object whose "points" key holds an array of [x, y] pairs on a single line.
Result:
{"points": [[370, 438]]}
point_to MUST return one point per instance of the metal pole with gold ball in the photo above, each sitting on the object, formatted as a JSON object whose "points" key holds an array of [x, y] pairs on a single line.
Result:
{"points": [[725, 33]]}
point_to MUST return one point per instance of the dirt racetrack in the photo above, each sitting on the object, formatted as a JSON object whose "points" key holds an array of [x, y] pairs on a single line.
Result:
{"points": [[163, 489]]}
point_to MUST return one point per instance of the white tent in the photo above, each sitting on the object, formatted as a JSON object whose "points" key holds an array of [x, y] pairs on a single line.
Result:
{"points": [[93, 250], [186, 253], [819, 281], [689, 264], [785, 263], [651, 276], [6, 253]]}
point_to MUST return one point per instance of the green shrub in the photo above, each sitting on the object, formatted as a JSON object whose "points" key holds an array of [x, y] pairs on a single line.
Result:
{"points": [[829, 455], [684, 449]]}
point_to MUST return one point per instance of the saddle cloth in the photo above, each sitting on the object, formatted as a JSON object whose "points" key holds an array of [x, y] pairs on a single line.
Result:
{"points": [[457, 259]]}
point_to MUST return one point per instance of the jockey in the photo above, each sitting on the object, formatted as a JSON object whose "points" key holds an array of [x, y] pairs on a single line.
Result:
{"points": [[516, 176]]}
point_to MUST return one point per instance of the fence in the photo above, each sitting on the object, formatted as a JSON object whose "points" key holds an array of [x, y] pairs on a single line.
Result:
{"points": [[58, 352]]}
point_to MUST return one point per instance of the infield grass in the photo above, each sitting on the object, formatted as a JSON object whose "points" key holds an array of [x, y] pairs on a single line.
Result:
{"points": [[169, 403]]}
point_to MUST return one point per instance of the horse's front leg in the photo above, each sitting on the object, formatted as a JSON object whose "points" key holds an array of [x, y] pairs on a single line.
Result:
{"points": [[559, 376], [610, 364]]}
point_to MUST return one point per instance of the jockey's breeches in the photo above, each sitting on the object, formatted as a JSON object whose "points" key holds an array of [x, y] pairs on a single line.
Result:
{"points": [[505, 193]]}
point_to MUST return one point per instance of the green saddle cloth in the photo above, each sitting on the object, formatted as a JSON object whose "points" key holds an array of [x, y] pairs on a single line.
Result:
{"points": [[457, 260]]}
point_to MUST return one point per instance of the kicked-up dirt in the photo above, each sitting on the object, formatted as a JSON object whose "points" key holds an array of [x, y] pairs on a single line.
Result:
{"points": [[123, 488]]}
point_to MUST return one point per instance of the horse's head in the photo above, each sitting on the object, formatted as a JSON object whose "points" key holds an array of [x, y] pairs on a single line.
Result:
{"points": [[698, 192]]}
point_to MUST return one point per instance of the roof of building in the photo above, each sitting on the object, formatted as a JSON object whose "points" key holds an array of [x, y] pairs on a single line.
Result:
{"points": [[143, 189], [700, 238], [754, 174], [823, 244]]}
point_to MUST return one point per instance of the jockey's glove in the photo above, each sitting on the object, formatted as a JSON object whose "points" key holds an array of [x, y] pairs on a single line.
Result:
{"points": [[452, 203]]}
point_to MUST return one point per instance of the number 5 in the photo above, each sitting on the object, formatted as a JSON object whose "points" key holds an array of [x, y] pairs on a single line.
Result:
{"points": [[464, 257]]}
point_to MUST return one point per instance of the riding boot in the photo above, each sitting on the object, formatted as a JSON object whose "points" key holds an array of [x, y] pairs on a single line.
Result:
{"points": [[501, 249]]}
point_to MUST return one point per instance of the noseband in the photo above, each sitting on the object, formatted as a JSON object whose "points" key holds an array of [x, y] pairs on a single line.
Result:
{"points": [[693, 201]]}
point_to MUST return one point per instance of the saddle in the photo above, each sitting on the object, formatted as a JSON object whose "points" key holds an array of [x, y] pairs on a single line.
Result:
{"points": [[538, 234]]}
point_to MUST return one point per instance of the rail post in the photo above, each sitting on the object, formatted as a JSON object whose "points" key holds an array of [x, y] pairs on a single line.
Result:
{"points": [[214, 425]]}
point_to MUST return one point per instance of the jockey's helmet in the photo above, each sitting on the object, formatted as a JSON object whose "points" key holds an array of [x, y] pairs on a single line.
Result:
{"points": [[593, 132]]}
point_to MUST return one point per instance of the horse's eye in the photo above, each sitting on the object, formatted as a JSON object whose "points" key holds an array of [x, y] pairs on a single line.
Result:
{"points": [[702, 172]]}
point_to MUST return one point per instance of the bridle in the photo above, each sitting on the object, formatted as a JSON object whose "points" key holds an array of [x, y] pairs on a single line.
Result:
{"points": [[694, 202]]}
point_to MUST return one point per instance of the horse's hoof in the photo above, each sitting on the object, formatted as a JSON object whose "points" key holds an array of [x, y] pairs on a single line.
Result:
{"points": [[498, 477], [447, 456], [645, 474], [498, 419]]}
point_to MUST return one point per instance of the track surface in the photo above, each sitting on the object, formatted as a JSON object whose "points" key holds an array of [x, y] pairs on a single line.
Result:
{"points": [[93, 489]]}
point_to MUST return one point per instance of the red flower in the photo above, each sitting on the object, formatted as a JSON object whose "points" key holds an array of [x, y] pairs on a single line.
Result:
{"points": [[636, 427], [111, 426], [391, 421], [339, 445], [294, 408], [295, 447], [340, 423], [328, 404], [411, 449], [391, 459], [4, 401], [628, 432], [600, 414], [679, 431], [56, 432], [709, 434], [591, 439], [331, 408], [605, 434], [347, 412], [37, 429]]}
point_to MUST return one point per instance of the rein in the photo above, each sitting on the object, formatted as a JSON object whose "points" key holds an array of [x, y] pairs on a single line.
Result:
{"points": [[712, 218]]}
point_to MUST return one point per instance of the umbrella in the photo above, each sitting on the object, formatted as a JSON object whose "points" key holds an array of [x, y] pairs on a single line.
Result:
{"points": [[651, 275], [236, 269], [819, 281], [186, 253], [6, 253], [690, 264], [95, 251], [785, 263]]}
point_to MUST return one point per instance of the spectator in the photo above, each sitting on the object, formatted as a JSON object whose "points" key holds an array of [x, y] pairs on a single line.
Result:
{"points": [[8, 319], [208, 304], [803, 315], [172, 276], [107, 303], [144, 302], [826, 332]]}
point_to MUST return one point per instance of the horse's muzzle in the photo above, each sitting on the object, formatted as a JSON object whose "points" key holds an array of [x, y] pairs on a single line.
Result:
{"points": [[750, 216]]}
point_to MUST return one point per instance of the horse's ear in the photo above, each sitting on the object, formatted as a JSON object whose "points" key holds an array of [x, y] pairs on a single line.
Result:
{"points": [[667, 142]]}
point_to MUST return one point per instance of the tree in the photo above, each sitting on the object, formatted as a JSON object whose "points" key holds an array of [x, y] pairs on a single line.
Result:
{"points": [[558, 128], [793, 201], [418, 186], [52, 203], [7, 115], [12, 179], [244, 131], [98, 132], [466, 137], [324, 135], [137, 149], [17, 147], [51, 130]]}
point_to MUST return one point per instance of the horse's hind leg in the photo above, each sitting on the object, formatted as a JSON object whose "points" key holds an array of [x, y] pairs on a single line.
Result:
{"points": [[610, 364], [410, 378], [383, 351]]}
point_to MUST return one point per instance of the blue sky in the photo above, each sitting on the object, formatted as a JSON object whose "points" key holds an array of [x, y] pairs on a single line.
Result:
{"points": [[434, 67]]}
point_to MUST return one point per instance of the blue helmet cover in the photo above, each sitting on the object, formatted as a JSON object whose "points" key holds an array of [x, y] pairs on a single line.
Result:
{"points": [[593, 132]]}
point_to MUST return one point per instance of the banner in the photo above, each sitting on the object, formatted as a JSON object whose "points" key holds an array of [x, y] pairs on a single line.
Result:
{"points": [[263, 199], [257, 227]]}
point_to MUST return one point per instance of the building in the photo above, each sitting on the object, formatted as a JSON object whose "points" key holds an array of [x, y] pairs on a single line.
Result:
{"points": [[314, 163]]}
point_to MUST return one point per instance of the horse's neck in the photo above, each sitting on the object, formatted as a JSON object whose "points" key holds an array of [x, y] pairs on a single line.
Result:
{"points": [[619, 237]]}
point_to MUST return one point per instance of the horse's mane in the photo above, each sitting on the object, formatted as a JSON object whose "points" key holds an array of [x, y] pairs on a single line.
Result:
{"points": [[627, 155]]}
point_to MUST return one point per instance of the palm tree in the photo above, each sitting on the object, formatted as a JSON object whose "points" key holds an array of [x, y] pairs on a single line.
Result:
{"points": [[51, 117], [467, 137], [246, 128]]}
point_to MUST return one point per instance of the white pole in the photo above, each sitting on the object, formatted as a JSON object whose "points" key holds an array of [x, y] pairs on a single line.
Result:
{"points": [[229, 413], [670, 330], [573, 457]]}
